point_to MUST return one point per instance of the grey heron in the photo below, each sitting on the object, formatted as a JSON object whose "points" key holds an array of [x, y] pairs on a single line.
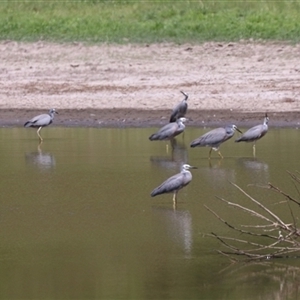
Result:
{"points": [[255, 133], [41, 121], [180, 109], [169, 131], [215, 138], [175, 183]]}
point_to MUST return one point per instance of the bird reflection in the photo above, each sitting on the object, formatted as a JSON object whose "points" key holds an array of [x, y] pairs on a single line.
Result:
{"points": [[40, 159], [178, 157], [178, 224], [280, 281], [216, 175], [256, 169]]}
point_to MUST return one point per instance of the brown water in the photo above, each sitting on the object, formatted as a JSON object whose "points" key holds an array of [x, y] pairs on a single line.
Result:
{"points": [[77, 220]]}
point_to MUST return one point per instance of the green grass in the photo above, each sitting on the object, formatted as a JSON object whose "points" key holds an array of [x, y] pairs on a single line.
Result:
{"points": [[149, 21]]}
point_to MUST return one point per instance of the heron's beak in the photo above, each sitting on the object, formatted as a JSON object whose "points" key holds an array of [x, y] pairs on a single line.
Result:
{"points": [[185, 94], [56, 112], [193, 167], [238, 130]]}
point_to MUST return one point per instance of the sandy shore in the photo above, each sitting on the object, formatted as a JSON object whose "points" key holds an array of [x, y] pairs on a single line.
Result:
{"points": [[138, 85]]}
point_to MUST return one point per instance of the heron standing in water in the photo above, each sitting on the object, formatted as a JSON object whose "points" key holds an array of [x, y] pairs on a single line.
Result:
{"points": [[175, 183], [169, 131], [215, 138], [255, 133], [41, 121]]}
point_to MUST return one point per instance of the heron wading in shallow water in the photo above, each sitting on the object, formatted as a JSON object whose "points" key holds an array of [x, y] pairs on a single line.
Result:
{"points": [[180, 109], [169, 131], [255, 133], [41, 121], [215, 138], [175, 183]]}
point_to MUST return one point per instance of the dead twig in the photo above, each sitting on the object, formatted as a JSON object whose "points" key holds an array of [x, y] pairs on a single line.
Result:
{"points": [[271, 186], [284, 244]]}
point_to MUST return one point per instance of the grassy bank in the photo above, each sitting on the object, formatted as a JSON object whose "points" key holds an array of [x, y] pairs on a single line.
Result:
{"points": [[149, 21]]}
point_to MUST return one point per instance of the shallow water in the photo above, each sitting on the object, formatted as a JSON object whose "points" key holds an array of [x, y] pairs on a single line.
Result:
{"points": [[77, 219]]}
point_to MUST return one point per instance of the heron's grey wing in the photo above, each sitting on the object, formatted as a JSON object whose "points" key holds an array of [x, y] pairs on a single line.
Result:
{"points": [[253, 134], [173, 183], [179, 111], [183, 108], [174, 115], [165, 132], [179, 129], [213, 137], [40, 120]]}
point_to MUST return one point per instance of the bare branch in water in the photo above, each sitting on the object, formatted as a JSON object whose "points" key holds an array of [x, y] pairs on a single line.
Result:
{"points": [[285, 244], [283, 193]]}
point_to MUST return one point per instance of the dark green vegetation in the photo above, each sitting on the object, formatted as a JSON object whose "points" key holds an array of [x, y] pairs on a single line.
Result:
{"points": [[149, 21]]}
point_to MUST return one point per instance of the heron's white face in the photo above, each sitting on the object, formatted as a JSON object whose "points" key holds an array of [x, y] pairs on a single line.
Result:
{"points": [[53, 110], [266, 119], [183, 120], [234, 127], [187, 167]]}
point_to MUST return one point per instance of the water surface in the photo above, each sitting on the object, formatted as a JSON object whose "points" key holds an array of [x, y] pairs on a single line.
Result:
{"points": [[77, 219]]}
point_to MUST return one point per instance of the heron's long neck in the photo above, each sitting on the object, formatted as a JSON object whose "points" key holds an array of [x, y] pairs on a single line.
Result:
{"points": [[230, 134], [181, 125], [185, 172]]}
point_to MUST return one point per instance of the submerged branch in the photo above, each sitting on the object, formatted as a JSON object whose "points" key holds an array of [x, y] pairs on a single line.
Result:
{"points": [[262, 207], [246, 210], [284, 244], [237, 229], [272, 187]]}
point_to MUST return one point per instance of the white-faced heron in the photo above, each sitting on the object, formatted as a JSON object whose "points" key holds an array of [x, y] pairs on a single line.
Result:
{"points": [[41, 121], [175, 183], [255, 133], [215, 138], [180, 109], [169, 131]]}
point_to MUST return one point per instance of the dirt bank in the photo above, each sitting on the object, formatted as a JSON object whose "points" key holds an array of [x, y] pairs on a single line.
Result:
{"points": [[138, 85]]}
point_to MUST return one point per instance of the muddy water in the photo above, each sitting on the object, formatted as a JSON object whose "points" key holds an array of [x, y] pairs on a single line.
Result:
{"points": [[77, 219]]}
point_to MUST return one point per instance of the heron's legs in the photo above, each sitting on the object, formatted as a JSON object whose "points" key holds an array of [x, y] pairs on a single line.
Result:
{"points": [[167, 148], [216, 149], [175, 200], [39, 147], [219, 152], [173, 142], [254, 149], [38, 133]]}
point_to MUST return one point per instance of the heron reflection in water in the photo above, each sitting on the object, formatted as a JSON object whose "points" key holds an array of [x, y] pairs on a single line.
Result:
{"points": [[217, 174], [178, 226], [40, 159], [256, 170], [178, 156]]}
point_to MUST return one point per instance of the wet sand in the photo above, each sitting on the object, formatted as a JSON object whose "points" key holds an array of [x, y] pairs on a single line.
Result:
{"points": [[148, 118]]}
